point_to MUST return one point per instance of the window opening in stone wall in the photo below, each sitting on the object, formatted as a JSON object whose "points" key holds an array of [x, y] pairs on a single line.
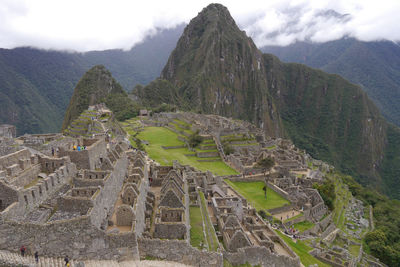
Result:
{"points": [[33, 195], [40, 190], [52, 181], [26, 200]]}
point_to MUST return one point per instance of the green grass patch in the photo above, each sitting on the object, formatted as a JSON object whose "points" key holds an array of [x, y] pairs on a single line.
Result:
{"points": [[32, 183], [160, 136], [302, 250], [294, 217], [212, 240], [354, 250], [303, 226], [254, 193], [196, 230]]}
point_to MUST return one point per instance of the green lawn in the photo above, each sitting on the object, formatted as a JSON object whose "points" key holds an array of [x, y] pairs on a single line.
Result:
{"points": [[196, 227], [302, 226], [254, 193], [160, 136], [302, 250]]}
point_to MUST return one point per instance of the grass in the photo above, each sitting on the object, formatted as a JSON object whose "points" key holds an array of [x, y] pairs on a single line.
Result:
{"points": [[32, 183], [196, 228], [303, 226], [254, 193], [160, 136], [212, 240], [294, 217], [302, 250]]}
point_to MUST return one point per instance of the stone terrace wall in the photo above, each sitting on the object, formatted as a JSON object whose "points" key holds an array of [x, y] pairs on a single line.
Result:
{"points": [[260, 256], [76, 238], [179, 251], [14, 158], [108, 194]]}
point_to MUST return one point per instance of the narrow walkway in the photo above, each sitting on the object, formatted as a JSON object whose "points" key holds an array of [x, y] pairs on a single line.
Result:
{"points": [[8, 258]]}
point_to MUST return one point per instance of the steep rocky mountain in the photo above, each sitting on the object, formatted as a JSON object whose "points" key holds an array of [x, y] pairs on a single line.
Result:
{"points": [[94, 87], [36, 85], [375, 66], [216, 68]]}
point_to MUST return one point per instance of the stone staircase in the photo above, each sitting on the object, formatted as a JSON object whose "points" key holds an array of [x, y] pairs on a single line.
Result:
{"points": [[14, 259]]}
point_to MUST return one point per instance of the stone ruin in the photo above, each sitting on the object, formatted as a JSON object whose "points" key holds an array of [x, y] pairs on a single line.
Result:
{"points": [[8, 131], [48, 202]]}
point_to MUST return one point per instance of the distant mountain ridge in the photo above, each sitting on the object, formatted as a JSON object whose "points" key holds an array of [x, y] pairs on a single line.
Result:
{"points": [[375, 66], [216, 68], [36, 85]]}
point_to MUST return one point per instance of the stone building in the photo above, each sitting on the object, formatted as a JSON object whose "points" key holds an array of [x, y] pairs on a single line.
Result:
{"points": [[8, 131], [172, 214]]}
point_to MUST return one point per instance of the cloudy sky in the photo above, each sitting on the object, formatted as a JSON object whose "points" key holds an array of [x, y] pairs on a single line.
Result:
{"points": [[84, 25]]}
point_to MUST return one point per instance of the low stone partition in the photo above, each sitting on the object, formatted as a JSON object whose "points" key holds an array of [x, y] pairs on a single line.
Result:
{"points": [[279, 191], [172, 147], [281, 209], [295, 220], [207, 154], [178, 251], [260, 256]]}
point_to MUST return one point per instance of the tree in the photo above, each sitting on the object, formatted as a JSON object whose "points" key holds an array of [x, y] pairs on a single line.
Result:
{"points": [[265, 164], [195, 139], [228, 149]]}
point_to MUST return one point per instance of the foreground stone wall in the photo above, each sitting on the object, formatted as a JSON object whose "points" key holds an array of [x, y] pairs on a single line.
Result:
{"points": [[260, 256], [76, 238], [108, 195], [179, 251]]}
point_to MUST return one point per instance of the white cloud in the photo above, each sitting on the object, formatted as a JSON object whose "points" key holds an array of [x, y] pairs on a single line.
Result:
{"points": [[99, 24]]}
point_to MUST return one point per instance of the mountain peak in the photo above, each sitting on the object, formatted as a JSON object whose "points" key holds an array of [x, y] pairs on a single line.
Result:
{"points": [[94, 86]]}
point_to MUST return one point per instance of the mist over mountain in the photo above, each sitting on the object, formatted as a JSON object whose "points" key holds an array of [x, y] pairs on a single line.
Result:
{"points": [[216, 68], [36, 85]]}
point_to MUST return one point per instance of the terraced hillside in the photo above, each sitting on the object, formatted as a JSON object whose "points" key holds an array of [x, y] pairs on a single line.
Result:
{"points": [[169, 143]]}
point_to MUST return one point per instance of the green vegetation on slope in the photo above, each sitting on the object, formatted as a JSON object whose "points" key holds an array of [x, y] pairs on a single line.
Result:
{"points": [[384, 241], [303, 226], [96, 86], [254, 193], [302, 250]]}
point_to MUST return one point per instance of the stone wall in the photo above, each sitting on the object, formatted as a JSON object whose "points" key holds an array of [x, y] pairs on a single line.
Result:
{"points": [[140, 205], [14, 158], [76, 238], [31, 197], [179, 251], [278, 190], [88, 158], [108, 194], [281, 209], [260, 256]]}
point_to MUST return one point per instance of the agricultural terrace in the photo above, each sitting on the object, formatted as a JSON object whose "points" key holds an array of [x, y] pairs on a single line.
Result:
{"points": [[157, 137], [254, 193]]}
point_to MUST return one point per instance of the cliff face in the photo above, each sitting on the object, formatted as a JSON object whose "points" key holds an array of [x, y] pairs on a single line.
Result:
{"points": [[93, 88], [216, 68], [332, 119]]}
